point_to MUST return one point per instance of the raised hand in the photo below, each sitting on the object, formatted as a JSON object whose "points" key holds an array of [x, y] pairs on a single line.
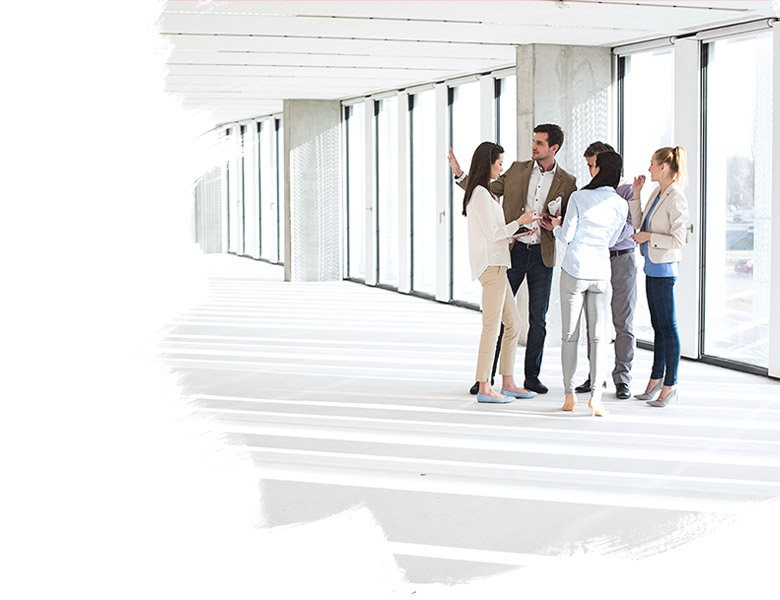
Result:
{"points": [[639, 181], [456, 170]]}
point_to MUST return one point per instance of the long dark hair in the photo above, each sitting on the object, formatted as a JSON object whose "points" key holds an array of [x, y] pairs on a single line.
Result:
{"points": [[486, 154], [610, 166]]}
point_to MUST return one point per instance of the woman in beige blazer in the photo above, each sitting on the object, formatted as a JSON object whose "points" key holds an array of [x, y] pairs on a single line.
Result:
{"points": [[662, 233]]}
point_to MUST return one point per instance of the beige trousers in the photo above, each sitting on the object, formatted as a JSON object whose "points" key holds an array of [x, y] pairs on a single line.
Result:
{"points": [[498, 305]]}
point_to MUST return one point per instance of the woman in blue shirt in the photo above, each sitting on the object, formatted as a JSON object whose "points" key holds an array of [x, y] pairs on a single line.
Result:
{"points": [[595, 217], [661, 236]]}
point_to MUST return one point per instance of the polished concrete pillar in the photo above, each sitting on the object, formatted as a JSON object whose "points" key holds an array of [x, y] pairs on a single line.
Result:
{"points": [[570, 86], [312, 155]]}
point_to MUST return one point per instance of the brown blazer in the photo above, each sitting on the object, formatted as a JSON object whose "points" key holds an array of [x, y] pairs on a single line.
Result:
{"points": [[513, 185]]}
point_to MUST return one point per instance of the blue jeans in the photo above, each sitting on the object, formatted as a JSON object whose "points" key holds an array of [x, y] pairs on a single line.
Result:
{"points": [[666, 345], [527, 263]]}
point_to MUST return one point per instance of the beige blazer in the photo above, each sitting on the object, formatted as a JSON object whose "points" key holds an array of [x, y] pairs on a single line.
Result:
{"points": [[668, 225], [513, 186]]}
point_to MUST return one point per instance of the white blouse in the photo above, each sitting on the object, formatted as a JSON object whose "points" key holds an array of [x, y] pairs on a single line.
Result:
{"points": [[489, 234], [593, 223]]}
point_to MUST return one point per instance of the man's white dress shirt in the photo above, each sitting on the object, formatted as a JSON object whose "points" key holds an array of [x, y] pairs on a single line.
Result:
{"points": [[538, 187]]}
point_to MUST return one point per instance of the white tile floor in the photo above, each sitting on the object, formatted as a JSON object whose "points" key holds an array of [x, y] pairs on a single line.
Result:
{"points": [[351, 396]]}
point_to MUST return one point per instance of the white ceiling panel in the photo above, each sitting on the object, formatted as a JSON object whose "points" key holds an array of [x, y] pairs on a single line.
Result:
{"points": [[366, 60], [240, 59]]}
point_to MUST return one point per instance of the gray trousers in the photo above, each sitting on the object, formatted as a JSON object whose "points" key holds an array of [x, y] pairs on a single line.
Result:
{"points": [[592, 295], [623, 305]]}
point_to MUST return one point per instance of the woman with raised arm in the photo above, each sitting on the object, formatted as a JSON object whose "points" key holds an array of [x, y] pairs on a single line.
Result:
{"points": [[662, 233], [489, 238]]}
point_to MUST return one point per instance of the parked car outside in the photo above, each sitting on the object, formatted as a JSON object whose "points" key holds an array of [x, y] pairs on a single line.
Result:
{"points": [[744, 265]]}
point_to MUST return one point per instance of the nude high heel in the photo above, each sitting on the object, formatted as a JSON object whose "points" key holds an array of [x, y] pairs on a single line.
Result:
{"points": [[568, 404], [652, 393], [596, 408], [661, 402]]}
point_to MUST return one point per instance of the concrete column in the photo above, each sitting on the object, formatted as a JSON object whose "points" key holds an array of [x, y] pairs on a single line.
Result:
{"points": [[570, 86], [312, 155]]}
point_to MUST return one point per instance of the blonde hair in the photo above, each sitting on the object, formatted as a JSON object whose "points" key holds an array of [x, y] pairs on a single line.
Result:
{"points": [[677, 159]]}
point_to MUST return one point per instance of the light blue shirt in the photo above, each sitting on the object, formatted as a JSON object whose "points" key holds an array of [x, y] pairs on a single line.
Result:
{"points": [[593, 222], [656, 269]]}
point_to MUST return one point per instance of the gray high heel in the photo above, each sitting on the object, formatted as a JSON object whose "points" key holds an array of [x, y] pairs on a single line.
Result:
{"points": [[652, 393], [661, 402]]}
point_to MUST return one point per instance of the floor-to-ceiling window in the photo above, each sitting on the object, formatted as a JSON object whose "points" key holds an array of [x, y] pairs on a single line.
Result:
{"points": [[279, 173], [235, 201], [355, 191], [424, 218], [269, 209], [242, 187], [738, 208], [387, 190], [648, 124], [506, 111], [252, 176], [464, 111]]}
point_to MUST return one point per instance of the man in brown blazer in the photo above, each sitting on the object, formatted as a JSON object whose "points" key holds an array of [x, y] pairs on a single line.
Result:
{"points": [[531, 186]]}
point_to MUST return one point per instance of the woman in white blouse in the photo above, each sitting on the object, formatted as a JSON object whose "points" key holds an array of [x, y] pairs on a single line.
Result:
{"points": [[489, 237], [594, 219]]}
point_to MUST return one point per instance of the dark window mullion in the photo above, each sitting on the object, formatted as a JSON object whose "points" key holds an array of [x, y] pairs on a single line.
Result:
{"points": [[450, 133]]}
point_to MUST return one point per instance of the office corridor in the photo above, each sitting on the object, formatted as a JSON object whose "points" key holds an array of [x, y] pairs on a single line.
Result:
{"points": [[349, 396]]}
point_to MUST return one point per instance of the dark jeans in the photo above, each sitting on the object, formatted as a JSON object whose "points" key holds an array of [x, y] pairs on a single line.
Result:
{"points": [[666, 346], [527, 262]]}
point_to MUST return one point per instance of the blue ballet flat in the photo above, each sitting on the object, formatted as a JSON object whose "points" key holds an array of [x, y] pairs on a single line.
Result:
{"points": [[518, 394], [486, 398]]}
